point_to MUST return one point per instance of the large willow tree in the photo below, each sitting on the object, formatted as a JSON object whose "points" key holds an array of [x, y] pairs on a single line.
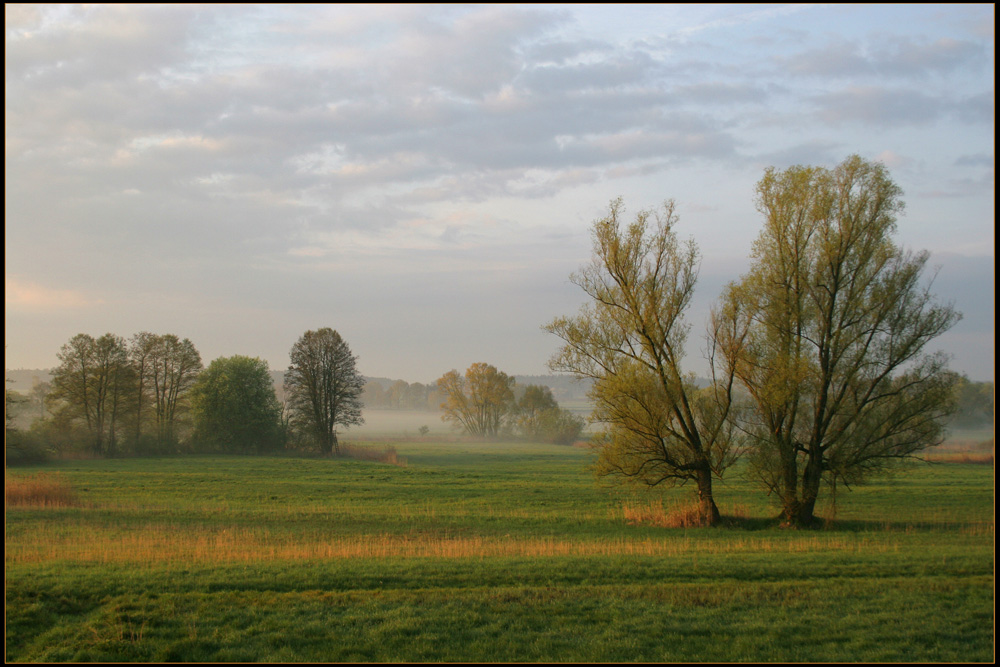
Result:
{"points": [[827, 331], [659, 426]]}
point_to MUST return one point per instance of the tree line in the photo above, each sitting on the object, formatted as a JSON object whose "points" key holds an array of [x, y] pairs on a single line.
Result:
{"points": [[150, 394]]}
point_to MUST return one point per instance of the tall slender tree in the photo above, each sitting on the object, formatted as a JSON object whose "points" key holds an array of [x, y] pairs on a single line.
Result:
{"points": [[659, 426], [174, 366]]}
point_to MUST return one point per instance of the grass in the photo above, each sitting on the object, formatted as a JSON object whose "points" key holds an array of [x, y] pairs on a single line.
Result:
{"points": [[486, 552]]}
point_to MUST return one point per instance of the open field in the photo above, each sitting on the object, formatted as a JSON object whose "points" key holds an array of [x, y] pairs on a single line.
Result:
{"points": [[482, 552]]}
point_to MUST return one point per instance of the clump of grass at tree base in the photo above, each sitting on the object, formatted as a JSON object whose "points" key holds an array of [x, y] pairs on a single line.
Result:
{"points": [[446, 558]]}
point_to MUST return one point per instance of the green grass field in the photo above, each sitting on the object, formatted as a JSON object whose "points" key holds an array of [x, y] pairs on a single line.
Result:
{"points": [[484, 552]]}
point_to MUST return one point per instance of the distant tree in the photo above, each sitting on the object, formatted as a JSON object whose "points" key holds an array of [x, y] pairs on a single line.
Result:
{"points": [[12, 402], [659, 427], [90, 386], [373, 395], [396, 394], [235, 408], [323, 387], [974, 403], [826, 334], [38, 397], [481, 402], [535, 400], [539, 417]]}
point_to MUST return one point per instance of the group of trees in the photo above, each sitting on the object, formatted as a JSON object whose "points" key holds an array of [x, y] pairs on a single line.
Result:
{"points": [[116, 395], [149, 394], [816, 353], [488, 403]]}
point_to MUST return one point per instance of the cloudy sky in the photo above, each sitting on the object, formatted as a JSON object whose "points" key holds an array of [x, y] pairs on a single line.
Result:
{"points": [[423, 178]]}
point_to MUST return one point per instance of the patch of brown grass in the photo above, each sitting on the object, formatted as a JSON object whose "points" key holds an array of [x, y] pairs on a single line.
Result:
{"points": [[41, 490], [979, 458], [653, 513], [384, 454]]}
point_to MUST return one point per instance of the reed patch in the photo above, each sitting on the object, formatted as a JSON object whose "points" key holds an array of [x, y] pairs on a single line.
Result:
{"points": [[39, 490]]}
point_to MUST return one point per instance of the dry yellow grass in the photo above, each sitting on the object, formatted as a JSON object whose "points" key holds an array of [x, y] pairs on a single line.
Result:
{"points": [[653, 513], [160, 543], [39, 490]]}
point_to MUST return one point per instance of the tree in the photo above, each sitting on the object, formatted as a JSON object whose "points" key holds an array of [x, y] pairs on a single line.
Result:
{"points": [[38, 396], [480, 402], [659, 427], [535, 402], [174, 365], [323, 387], [826, 334], [235, 407], [142, 351], [91, 383], [974, 403], [539, 417]]}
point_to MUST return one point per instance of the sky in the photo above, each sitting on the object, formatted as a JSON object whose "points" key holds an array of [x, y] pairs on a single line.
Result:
{"points": [[423, 178]]}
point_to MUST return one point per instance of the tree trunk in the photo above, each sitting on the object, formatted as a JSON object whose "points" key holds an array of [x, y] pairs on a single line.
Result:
{"points": [[812, 477], [789, 487], [798, 508], [706, 503], [326, 444]]}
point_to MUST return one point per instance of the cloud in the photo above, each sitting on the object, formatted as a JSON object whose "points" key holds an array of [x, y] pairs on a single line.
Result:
{"points": [[213, 154], [879, 106], [886, 57]]}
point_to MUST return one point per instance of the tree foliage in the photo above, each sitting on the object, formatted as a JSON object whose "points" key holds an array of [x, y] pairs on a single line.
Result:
{"points": [[659, 427], [481, 402], [235, 407], [323, 387], [826, 334]]}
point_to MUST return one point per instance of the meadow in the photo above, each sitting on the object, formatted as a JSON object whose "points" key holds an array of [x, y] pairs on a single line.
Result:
{"points": [[464, 551]]}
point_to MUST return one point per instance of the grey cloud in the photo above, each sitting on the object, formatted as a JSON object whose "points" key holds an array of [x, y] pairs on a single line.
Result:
{"points": [[977, 160], [879, 106], [630, 69], [881, 57], [722, 93]]}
